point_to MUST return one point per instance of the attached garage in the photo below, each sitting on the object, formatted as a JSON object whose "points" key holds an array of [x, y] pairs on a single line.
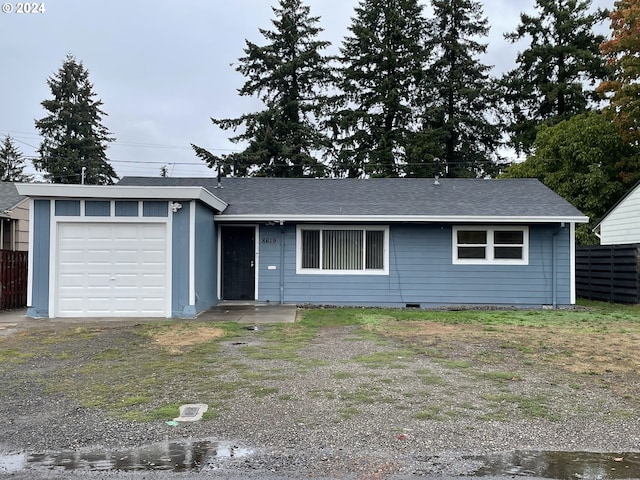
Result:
{"points": [[112, 269], [121, 251]]}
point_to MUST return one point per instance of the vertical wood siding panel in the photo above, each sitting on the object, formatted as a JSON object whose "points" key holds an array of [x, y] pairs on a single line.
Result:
{"points": [[180, 261], [269, 244], [41, 252], [206, 264]]}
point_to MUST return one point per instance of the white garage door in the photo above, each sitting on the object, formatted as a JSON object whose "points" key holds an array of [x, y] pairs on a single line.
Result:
{"points": [[111, 270]]}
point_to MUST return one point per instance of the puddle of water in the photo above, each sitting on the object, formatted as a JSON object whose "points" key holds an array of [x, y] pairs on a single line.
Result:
{"points": [[171, 456], [562, 465]]}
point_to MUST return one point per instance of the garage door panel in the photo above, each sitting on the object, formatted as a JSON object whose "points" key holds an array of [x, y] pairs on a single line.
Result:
{"points": [[154, 281], [112, 269]]}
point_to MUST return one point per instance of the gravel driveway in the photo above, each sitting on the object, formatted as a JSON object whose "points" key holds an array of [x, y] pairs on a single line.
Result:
{"points": [[354, 406]]}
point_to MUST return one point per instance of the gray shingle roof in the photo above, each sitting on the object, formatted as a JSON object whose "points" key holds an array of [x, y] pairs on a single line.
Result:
{"points": [[9, 196], [398, 197]]}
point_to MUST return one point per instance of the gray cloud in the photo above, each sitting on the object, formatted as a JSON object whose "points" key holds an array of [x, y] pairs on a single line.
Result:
{"points": [[162, 68]]}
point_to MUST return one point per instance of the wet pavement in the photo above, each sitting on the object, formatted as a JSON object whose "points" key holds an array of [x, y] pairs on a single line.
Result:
{"points": [[173, 456], [201, 456]]}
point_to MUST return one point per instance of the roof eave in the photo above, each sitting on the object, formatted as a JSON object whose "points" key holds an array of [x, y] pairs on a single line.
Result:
{"points": [[48, 190], [400, 218]]}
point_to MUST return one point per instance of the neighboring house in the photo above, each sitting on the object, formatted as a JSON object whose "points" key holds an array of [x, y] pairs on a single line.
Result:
{"points": [[621, 224], [173, 247], [14, 215]]}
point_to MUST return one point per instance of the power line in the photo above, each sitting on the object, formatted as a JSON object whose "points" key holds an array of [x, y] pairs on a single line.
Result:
{"points": [[122, 144]]}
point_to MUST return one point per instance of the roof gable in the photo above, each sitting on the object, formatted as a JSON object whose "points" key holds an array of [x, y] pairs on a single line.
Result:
{"points": [[9, 196], [631, 193]]}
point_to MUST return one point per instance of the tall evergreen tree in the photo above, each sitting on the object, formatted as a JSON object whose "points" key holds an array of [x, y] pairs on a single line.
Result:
{"points": [[622, 88], [288, 74], [458, 93], [382, 63], [12, 163], [73, 135], [553, 74]]}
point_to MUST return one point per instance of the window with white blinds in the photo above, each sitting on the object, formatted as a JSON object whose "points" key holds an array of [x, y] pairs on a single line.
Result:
{"points": [[337, 249]]}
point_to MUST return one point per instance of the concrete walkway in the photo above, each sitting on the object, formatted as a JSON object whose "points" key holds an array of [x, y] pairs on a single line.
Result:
{"points": [[250, 313]]}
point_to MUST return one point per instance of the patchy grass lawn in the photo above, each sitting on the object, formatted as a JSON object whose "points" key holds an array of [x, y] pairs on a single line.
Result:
{"points": [[144, 372]]}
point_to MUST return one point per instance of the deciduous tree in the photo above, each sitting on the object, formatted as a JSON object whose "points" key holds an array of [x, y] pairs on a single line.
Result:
{"points": [[622, 88], [579, 159]]}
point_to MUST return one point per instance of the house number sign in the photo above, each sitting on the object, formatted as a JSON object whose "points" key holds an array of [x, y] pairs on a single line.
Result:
{"points": [[269, 240]]}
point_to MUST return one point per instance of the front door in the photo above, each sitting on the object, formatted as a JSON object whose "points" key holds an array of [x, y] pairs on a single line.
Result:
{"points": [[238, 263]]}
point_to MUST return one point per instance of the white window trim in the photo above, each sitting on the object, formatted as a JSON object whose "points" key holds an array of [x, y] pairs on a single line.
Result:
{"points": [[489, 260], [320, 271]]}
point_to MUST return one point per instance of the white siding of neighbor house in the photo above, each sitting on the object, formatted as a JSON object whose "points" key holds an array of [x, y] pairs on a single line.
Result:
{"points": [[622, 225]]}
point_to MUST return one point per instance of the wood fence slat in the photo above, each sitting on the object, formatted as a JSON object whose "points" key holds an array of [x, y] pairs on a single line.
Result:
{"points": [[608, 272], [13, 279]]}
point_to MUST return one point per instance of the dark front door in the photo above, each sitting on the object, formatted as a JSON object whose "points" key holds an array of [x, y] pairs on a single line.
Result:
{"points": [[238, 263]]}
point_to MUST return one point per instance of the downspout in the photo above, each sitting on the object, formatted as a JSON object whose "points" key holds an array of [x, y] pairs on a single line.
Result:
{"points": [[554, 267], [281, 262]]}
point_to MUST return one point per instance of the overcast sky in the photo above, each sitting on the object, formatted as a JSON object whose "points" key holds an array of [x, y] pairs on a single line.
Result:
{"points": [[163, 68]]}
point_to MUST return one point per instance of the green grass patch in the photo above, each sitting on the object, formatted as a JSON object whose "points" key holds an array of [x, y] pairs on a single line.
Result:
{"points": [[432, 412], [258, 391], [364, 395], [455, 364], [11, 355], [109, 354], [323, 393], [591, 316], [532, 407], [389, 359], [342, 375], [346, 413], [501, 377]]}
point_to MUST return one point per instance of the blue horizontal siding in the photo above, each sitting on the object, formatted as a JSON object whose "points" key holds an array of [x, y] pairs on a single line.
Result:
{"points": [[421, 271]]}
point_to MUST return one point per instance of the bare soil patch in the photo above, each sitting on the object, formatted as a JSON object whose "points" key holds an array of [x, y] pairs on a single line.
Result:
{"points": [[176, 338]]}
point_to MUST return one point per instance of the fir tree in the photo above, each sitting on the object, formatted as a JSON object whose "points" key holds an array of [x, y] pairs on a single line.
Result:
{"points": [[458, 94], [622, 87], [73, 135], [288, 74], [12, 163], [552, 77], [382, 63]]}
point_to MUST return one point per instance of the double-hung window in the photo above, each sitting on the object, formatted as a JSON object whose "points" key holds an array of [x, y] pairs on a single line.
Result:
{"points": [[497, 245], [342, 249]]}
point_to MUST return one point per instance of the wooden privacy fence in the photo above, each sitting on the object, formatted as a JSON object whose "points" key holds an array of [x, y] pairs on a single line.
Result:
{"points": [[13, 279], [610, 273]]}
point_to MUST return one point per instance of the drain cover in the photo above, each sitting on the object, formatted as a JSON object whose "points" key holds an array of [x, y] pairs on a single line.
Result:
{"points": [[191, 412]]}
